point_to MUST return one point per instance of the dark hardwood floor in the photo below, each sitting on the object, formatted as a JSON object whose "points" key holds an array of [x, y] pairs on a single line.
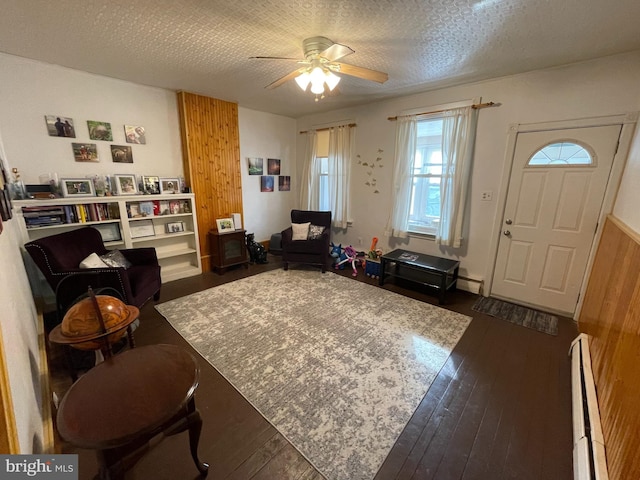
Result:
{"points": [[499, 409]]}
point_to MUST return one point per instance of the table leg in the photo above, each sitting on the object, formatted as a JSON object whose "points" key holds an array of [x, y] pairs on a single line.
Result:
{"points": [[443, 288], [382, 270], [195, 427]]}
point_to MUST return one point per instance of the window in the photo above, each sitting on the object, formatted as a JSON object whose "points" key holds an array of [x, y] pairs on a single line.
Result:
{"points": [[424, 206], [562, 153], [322, 159]]}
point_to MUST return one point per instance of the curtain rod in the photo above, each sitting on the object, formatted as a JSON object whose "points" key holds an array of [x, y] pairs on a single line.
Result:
{"points": [[329, 128], [476, 106]]}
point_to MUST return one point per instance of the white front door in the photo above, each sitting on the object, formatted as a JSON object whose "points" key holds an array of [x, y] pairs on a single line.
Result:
{"points": [[551, 214]]}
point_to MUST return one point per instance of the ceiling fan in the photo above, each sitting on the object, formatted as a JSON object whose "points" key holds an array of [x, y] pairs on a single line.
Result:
{"points": [[320, 64]]}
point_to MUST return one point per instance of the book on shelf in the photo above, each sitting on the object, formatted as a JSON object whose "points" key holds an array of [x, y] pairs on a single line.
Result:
{"points": [[40, 216]]}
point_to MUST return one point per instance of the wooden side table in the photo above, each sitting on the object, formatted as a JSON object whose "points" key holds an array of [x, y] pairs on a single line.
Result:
{"points": [[228, 249], [120, 404]]}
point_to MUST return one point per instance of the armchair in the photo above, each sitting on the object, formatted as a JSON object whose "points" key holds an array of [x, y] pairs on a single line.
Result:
{"points": [[58, 257], [309, 251]]}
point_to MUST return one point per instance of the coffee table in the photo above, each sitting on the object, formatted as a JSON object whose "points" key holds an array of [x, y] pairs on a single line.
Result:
{"points": [[122, 403], [432, 272]]}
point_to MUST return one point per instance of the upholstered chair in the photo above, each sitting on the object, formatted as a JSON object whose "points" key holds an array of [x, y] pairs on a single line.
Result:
{"points": [[137, 277], [308, 239]]}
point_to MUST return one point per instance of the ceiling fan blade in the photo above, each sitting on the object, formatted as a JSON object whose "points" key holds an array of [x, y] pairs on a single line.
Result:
{"points": [[277, 58], [284, 79], [361, 72], [336, 52]]}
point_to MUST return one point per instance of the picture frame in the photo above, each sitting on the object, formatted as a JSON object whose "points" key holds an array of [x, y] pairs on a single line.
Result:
{"points": [[150, 184], [169, 185], [273, 166], [100, 130], [59, 126], [225, 225], [77, 187], [284, 183], [126, 185], [174, 227], [266, 183], [142, 228], [121, 154], [135, 134], [110, 232], [255, 165], [85, 152]]}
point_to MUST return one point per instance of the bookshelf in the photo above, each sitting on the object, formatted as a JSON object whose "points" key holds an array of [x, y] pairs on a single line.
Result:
{"points": [[166, 222]]}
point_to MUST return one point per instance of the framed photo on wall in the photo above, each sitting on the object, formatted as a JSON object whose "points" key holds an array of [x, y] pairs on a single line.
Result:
{"points": [[85, 152], [77, 187], [126, 185], [59, 126]]}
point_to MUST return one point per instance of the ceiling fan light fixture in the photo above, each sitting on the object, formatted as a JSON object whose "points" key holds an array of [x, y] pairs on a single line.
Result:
{"points": [[332, 80], [303, 80]]}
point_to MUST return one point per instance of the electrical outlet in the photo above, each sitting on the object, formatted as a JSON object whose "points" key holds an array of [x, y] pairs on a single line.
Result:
{"points": [[486, 196], [359, 240]]}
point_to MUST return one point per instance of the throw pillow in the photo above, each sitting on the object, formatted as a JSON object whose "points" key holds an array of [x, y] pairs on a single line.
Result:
{"points": [[300, 231], [315, 232], [93, 261], [115, 258]]}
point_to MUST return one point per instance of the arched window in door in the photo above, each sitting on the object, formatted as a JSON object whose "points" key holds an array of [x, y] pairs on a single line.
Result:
{"points": [[561, 154]]}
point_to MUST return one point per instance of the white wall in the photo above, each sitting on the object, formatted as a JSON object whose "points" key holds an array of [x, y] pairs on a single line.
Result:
{"points": [[603, 87], [18, 325], [266, 136], [628, 200], [29, 90]]}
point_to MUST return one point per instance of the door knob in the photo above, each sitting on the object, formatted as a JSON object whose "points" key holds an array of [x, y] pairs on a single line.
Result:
{"points": [[507, 232], [508, 221]]}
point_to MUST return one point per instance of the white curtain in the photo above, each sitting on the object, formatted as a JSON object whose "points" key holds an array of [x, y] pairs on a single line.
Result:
{"points": [[310, 180], [458, 137], [339, 174], [406, 140]]}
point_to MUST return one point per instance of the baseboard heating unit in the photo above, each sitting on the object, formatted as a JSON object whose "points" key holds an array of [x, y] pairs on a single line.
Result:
{"points": [[589, 460]]}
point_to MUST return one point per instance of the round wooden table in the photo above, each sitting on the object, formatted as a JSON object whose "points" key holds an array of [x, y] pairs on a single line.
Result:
{"points": [[120, 404]]}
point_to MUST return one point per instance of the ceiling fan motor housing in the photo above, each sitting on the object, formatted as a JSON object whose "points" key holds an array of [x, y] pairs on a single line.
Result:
{"points": [[314, 46]]}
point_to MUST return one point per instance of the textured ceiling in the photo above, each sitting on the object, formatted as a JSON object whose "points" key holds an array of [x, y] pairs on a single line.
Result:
{"points": [[203, 46]]}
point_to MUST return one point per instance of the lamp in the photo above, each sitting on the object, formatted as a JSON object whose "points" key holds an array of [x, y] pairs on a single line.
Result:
{"points": [[317, 75]]}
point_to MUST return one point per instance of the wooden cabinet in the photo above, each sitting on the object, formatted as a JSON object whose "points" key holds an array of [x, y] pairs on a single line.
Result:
{"points": [[166, 222], [227, 249]]}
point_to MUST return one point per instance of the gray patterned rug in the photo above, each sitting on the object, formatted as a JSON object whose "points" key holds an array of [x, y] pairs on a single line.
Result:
{"points": [[527, 317], [335, 365]]}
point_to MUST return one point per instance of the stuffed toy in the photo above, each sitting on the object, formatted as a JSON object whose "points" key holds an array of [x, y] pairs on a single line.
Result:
{"points": [[336, 252], [350, 256]]}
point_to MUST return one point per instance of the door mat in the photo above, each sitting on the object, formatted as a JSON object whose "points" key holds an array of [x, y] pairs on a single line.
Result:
{"points": [[526, 317]]}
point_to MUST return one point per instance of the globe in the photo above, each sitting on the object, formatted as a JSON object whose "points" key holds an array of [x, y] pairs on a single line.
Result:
{"points": [[81, 327]]}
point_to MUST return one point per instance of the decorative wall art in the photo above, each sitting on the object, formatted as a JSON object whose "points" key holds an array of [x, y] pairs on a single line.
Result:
{"points": [[135, 134], [58, 126], [77, 187], [121, 154], [370, 180], [85, 152], [284, 183], [255, 165], [225, 225], [126, 184], [100, 130], [266, 183], [273, 166], [150, 185], [169, 185]]}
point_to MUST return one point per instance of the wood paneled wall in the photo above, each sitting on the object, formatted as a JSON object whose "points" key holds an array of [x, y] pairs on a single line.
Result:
{"points": [[211, 156], [611, 316]]}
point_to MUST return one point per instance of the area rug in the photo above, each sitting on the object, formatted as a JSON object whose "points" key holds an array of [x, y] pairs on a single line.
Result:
{"points": [[527, 317], [337, 366]]}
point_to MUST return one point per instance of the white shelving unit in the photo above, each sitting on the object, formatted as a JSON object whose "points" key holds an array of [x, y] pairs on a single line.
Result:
{"points": [[178, 248]]}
